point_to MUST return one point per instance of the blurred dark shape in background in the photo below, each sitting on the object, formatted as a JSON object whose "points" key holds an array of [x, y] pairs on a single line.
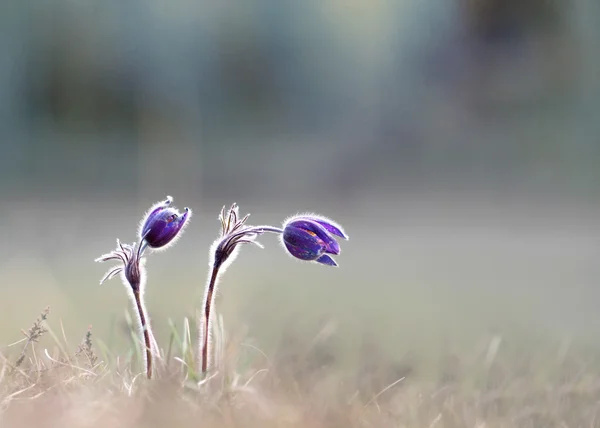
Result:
{"points": [[324, 95]]}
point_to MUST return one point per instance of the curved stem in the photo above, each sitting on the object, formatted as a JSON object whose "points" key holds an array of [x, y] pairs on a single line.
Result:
{"points": [[268, 229], [142, 247], [145, 331], [209, 294], [208, 302]]}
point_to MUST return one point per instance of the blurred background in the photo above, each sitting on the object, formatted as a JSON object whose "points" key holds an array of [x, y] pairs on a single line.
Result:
{"points": [[458, 142]]}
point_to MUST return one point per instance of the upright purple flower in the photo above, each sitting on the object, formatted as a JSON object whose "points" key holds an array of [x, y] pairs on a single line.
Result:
{"points": [[311, 237], [159, 228], [162, 225]]}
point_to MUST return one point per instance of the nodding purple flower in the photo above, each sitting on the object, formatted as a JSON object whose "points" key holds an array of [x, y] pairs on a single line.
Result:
{"points": [[162, 225], [311, 237]]}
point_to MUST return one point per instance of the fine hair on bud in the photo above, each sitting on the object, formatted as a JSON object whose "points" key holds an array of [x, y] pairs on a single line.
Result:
{"points": [[312, 237], [162, 225]]}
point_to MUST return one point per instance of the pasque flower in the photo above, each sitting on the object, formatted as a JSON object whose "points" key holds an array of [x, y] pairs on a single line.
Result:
{"points": [[311, 238], [234, 232], [162, 224], [307, 237], [160, 227]]}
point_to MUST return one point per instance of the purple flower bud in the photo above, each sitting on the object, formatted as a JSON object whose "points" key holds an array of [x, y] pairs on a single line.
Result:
{"points": [[162, 224], [310, 237]]}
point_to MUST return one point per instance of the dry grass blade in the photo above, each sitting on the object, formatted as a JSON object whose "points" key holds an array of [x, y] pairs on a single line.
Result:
{"points": [[86, 349], [68, 364], [35, 332], [383, 391], [17, 393]]}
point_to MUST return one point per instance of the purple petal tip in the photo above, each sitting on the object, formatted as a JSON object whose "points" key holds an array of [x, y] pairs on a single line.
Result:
{"points": [[326, 260]]}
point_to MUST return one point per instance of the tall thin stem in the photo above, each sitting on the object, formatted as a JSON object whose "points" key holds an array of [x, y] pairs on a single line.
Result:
{"points": [[208, 303], [133, 276], [233, 234], [145, 330]]}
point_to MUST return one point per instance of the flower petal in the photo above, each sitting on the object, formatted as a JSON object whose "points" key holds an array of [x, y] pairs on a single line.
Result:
{"points": [[152, 213], [331, 245], [326, 260], [163, 227], [329, 225], [303, 244]]}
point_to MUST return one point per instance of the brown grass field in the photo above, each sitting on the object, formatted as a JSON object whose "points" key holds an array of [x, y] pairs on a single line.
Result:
{"points": [[58, 386], [447, 325]]}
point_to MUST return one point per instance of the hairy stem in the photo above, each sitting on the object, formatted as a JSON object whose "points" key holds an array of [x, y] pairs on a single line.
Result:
{"points": [[145, 331], [205, 325], [222, 252], [268, 229]]}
